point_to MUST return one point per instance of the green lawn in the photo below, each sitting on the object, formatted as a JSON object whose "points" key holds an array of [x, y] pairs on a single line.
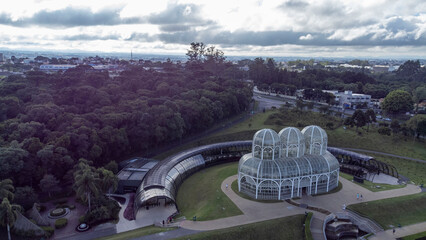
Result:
{"points": [[415, 171], [282, 228], [337, 137], [416, 236], [374, 187], [200, 195], [403, 210], [136, 233]]}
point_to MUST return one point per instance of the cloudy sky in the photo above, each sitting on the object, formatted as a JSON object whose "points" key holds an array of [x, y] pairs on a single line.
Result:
{"points": [[311, 28]]}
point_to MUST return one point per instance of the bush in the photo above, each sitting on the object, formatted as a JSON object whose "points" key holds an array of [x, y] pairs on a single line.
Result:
{"points": [[384, 131], [42, 208], [71, 207], [103, 210], [60, 201], [48, 230], [82, 219], [60, 223]]}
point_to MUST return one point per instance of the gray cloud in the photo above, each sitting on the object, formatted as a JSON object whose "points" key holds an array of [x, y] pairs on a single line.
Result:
{"points": [[296, 4], [70, 17], [398, 24], [179, 17], [274, 38], [87, 37]]}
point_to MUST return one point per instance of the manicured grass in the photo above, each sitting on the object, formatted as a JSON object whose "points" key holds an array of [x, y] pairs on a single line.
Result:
{"points": [[421, 235], [234, 187], [308, 234], [136, 233], [282, 228], [374, 187], [200, 195], [403, 210], [415, 171]]}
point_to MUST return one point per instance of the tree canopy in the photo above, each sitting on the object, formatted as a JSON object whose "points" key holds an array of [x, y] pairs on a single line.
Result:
{"points": [[398, 101]]}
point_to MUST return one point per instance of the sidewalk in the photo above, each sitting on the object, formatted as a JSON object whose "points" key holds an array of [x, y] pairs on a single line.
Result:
{"points": [[253, 211], [400, 232]]}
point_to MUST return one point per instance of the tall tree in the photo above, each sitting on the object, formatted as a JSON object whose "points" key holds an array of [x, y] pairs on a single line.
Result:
{"points": [[370, 117], [398, 101], [108, 180], [359, 119], [8, 215], [7, 189], [49, 184], [86, 185]]}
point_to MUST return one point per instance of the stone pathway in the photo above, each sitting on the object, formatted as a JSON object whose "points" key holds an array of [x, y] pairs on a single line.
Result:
{"points": [[316, 226]]}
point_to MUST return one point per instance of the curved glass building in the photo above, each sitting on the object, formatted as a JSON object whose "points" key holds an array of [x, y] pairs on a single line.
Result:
{"points": [[287, 164]]}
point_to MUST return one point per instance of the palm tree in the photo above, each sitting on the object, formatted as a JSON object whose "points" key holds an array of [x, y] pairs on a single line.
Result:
{"points": [[109, 182], [8, 214], [7, 189], [86, 184]]}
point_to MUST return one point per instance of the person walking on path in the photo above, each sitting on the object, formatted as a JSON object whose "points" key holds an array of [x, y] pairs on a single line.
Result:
{"points": [[357, 196], [361, 197], [393, 231], [226, 186]]}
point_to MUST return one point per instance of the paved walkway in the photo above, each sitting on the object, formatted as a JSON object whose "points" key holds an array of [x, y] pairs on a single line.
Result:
{"points": [[347, 195], [385, 154], [253, 211], [400, 232], [256, 211]]}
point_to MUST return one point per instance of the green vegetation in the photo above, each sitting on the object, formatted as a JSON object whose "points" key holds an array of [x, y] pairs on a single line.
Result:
{"points": [[415, 171], [417, 236], [234, 187], [403, 210], [200, 195], [136, 233], [282, 228], [374, 187], [308, 234], [60, 223]]}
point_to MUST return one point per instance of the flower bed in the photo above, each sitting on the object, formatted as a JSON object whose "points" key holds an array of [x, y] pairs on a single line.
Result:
{"points": [[128, 213]]}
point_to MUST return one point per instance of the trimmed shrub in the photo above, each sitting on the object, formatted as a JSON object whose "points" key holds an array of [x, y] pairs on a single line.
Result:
{"points": [[60, 223], [60, 201], [82, 219], [71, 207], [48, 230]]}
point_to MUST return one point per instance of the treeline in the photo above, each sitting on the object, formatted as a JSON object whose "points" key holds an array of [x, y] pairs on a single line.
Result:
{"points": [[268, 76], [49, 121]]}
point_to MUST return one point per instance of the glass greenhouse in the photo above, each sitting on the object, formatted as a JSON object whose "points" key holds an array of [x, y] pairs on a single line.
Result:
{"points": [[287, 164]]}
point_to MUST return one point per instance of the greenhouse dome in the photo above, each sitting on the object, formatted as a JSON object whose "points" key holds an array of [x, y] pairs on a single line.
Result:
{"points": [[280, 168]]}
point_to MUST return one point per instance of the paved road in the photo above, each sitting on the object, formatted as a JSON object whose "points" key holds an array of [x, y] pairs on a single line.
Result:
{"points": [[400, 232], [385, 154]]}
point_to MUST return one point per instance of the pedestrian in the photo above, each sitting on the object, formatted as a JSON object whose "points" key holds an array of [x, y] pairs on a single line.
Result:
{"points": [[357, 196], [393, 231], [361, 197], [344, 207], [163, 222], [226, 186]]}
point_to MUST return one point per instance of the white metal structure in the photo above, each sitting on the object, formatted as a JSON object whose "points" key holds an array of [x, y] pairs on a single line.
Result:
{"points": [[287, 164]]}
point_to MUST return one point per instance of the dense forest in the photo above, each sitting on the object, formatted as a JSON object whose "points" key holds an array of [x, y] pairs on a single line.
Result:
{"points": [[268, 76], [49, 121]]}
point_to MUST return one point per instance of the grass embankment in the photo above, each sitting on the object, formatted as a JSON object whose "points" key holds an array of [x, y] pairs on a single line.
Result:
{"points": [[282, 228], [417, 236], [415, 171], [374, 187], [337, 137], [308, 234], [200, 195], [136, 233], [403, 210]]}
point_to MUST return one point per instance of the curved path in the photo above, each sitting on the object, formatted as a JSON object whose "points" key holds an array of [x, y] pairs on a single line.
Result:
{"points": [[253, 211], [385, 154], [256, 211]]}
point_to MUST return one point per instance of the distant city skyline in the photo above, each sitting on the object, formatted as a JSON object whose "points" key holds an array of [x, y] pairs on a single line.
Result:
{"points": [[299, 28]]}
